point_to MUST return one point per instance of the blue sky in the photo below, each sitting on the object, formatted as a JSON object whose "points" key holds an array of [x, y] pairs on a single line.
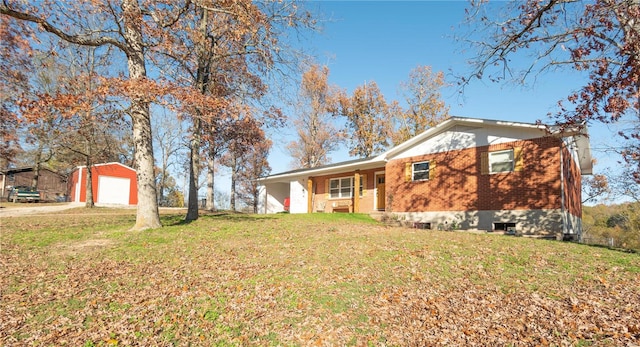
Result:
{"points": [[383, 41]]}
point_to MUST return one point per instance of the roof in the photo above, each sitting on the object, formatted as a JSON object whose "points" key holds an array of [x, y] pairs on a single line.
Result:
{"points": [[106, 164], [366, 163], [580, 136], [26, 169]]}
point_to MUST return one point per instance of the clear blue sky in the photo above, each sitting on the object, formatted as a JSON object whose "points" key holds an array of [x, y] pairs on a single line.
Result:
{"points": [[383, 41]]}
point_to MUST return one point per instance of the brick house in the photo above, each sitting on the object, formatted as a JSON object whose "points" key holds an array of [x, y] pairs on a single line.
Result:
{"points": [[473, 174]]}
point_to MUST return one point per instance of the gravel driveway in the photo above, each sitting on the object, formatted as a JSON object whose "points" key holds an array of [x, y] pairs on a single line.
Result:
{"points": [[34, 209]]}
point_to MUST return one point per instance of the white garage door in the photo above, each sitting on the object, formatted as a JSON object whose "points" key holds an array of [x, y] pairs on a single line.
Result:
{"points": [[113, 190]]}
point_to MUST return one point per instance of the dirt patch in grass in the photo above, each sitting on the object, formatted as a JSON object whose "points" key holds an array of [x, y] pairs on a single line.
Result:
{"points": [[86, 246], [238, 280]]}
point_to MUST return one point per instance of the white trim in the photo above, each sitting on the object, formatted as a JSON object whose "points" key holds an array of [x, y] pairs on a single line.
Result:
{"points": [[111, 163], [78, 184], [372, 163], [451, 122]]}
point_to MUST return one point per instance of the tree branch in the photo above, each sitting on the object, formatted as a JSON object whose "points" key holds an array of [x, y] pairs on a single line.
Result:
{"points": [[83, 40]]}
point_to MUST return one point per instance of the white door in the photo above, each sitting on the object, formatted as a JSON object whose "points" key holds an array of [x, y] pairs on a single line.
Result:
{"points": [[113, 190]]}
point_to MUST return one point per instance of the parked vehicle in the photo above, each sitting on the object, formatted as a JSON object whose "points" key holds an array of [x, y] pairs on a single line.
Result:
{"points": [[23, 193]]}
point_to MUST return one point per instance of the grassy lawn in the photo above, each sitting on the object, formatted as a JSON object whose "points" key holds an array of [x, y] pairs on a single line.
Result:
{"points": [[81, 278]]}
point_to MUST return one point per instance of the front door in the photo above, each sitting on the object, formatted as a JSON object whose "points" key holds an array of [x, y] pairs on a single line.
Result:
{"points": [[380, 188]]}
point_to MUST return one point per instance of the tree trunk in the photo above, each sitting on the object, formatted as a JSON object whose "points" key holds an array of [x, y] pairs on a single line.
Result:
{"points": [[36, 168], [256, 197], [194, 167], [89, 186], [234, 174], [194, 172], [210, 180], [147, 215], [161, 198], [36, 174]]}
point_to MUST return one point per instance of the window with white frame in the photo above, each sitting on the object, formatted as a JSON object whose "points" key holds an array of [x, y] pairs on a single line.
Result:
{"points": [[341, 188], [420, 171], [501, 161]]}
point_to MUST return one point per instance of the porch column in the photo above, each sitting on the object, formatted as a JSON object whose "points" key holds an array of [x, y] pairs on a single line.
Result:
{"points": [[310, 195], [356, 192]]}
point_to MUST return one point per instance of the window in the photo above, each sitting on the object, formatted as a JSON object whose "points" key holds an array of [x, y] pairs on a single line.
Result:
{"points": [[420, 171], [508, 228], [343, 187], [501, 161], [503, 226]]}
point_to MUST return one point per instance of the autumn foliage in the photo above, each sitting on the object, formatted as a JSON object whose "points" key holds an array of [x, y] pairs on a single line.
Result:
{"points": [[317, 135]]}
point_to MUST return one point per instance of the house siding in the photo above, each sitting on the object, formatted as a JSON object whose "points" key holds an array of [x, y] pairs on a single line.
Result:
{"points": [[539, 194]]}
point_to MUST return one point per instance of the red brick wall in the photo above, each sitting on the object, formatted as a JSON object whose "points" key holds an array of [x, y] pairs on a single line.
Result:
{"points": [[321, 190], [459, 185], [573, 184]]}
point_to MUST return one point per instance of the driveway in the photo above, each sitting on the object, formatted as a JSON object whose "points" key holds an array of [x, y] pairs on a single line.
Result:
{"points": [[31, 209]]}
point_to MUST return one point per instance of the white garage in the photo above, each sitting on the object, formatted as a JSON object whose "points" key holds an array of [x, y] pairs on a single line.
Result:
{"points": [[113, 190]]}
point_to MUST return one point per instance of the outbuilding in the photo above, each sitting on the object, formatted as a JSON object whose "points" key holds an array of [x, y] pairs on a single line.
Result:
{"points": [[50, 184], [112, 184]]}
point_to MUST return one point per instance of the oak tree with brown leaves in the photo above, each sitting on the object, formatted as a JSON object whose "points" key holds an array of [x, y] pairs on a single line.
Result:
{"points": [[367, 118], [133, 27], [224, 52], [316, 134], [15, 66], [425, 107], [246, 140], [255, 164]]}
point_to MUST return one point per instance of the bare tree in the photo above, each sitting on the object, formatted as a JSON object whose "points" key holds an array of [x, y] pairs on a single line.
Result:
{"points": [[168, 136]]}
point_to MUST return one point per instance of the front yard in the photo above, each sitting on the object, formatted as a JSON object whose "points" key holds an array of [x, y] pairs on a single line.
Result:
{"points": [[80, 278]]}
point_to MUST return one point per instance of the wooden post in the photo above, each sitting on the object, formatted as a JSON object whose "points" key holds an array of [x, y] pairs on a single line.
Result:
{"points": [[310, 195], [356, 192]]}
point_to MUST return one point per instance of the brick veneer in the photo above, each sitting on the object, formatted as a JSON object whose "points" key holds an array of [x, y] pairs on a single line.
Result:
{"points": [[458, 184]]}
